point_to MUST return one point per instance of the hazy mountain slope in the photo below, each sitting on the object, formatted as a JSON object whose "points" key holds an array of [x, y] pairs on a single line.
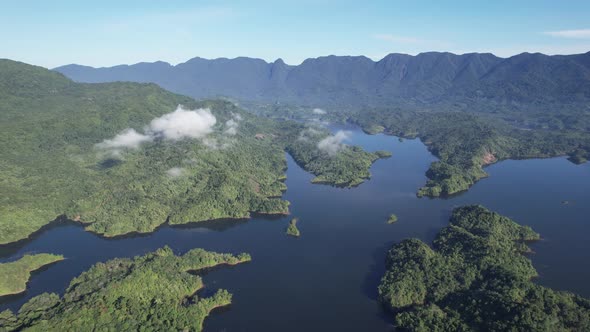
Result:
{"points": [[199, 78], [476, 81]]}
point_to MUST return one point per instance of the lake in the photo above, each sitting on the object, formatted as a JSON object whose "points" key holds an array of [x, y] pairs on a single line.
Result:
{"points": [[327, 279]]}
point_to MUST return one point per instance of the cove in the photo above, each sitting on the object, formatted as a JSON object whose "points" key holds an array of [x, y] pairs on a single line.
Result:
{"points": [[327, 278]]}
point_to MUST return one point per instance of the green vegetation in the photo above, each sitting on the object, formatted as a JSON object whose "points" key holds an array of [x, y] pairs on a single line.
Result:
{"points": [[349, 167], [383, 154], [51, 165], [466, 142], [475, 278], [579, 156], [392, 219], [157, 292], [473, 109], [15, 275], [466, 139], [292, 228]]}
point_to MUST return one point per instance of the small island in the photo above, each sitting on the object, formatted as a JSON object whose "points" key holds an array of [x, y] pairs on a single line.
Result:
{"points": [[157, 292], [15, 275], [475, 277], [292, 228], [382, 154], [392, 219]]}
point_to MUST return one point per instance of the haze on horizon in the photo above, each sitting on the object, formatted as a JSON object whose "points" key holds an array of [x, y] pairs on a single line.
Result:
{"points": [[111, 33]]}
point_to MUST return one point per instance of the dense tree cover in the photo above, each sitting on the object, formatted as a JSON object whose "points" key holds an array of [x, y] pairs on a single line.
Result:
{"points": [[15, 275], [392, 219], [465, 142], [157, 292], [383, 154], [475, 278], [579, 156], [51, 166], [292, 228], [349, 167], [543, 98]]}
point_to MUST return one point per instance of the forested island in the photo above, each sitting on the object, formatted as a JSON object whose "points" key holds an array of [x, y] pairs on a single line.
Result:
{"points": [[126, 158], [475, 277], [392, 219], [348, 167], [292, 229], [157, 291], [15, 275]]}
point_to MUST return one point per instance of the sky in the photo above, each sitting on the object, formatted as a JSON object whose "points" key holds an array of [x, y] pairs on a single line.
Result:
{"points": [[107, 33]]}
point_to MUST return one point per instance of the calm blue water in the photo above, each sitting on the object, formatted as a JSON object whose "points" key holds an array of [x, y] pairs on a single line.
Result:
{"points": [[327, 278]]}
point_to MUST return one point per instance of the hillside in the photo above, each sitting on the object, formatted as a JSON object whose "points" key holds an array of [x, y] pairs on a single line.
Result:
{"points": [[126, 158], [158, 291], [471, 110], [474, 81], [467, 142], [475, 277]]}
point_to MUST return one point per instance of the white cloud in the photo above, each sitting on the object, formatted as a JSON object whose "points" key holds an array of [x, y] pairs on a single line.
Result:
{"points": [[211, 143], [308, 133], [332, 144], [183, 123], [176, 125], [319, 123], [175, 172], [128, 138], [191, 161], [318, 111], [231, 125], [573, 34]]}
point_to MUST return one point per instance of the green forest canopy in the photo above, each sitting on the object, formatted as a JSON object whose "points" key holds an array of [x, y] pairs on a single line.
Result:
{"points": [[51, 166], [466, 142], [475, 278], [157, 291], [15, 275]]}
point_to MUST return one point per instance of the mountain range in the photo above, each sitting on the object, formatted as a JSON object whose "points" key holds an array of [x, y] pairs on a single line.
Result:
{"points": [[478, 81]]}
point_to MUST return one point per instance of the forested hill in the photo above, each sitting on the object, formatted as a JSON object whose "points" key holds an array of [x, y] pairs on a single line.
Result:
{"points": [[475, 81], [475, 277], [125, 157]]}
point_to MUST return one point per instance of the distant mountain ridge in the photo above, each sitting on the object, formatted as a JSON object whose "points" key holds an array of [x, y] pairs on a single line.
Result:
{"points": [[432, 79]]}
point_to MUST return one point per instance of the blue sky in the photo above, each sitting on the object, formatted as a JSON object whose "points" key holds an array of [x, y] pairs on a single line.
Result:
{"points": [[105, 33]]}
